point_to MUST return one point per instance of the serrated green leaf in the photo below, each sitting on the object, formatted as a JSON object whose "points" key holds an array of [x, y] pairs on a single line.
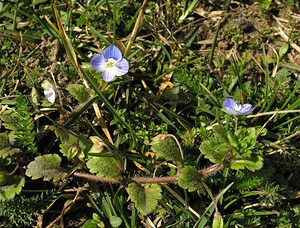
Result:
{"points": [[253, 163], [188, 178], [105, 167], [79, 92], [247, 138], [11, 186], [144, 196], [215, 150], [72, 147], [218, 148], [46, 167], [220, 133], [165, 147]]}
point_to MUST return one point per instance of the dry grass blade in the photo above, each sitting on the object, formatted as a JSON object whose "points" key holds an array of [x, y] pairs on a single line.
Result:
{"points": [[136, 27], [73, 58]]}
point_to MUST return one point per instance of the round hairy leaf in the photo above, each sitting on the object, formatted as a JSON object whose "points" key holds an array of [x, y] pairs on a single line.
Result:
{"points": [[11, 186], [165, 147], [105, 167], [144, 196], [47, 167], [188, 178]]}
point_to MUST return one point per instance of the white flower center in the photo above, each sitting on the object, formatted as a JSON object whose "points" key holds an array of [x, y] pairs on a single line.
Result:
{"points": [[238, 108], [110, 63]]}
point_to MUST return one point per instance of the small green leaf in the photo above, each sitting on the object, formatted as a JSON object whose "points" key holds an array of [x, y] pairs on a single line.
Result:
{"points": [[218, 221], [98, 144], [2, 177], [89, 224], [216, 151], [165, 147], [5, 147], [283, 50], [144, 196], [11, 186], [72, 147], [79, 92], [9, 119], [188, 178], [36, 2], [105, 167], [46, 166], [115, 221], [220, 133]]}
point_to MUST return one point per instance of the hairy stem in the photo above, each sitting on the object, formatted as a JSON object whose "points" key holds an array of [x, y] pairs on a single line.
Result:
{"points": [[146, 180]]}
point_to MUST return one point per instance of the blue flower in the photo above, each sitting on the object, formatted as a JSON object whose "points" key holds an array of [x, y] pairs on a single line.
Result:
{"points": [[111, 63], [233, 108]]}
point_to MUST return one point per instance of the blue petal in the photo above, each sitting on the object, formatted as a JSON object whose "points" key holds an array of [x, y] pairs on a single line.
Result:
{"points": [[112, 52], [230, 103], [122, 67], [246, 109], [108, 75], [98, 62], [50, 95], [231, 111]]}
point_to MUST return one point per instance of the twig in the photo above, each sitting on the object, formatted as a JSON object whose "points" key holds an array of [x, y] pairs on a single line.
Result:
{"points": [[287, 39], [284, 139], [273, 112]]}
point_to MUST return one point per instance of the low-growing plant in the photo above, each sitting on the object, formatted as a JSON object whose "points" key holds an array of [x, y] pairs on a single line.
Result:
{"points": [[131, 120]]}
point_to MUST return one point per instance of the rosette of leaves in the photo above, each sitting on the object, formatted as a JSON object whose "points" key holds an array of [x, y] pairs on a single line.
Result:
{"points": [[46, 167], [145, 197], [165, 147], [240, 150]]}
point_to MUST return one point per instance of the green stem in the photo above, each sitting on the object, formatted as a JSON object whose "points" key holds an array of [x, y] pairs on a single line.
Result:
{"points": [[236, 120]]}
